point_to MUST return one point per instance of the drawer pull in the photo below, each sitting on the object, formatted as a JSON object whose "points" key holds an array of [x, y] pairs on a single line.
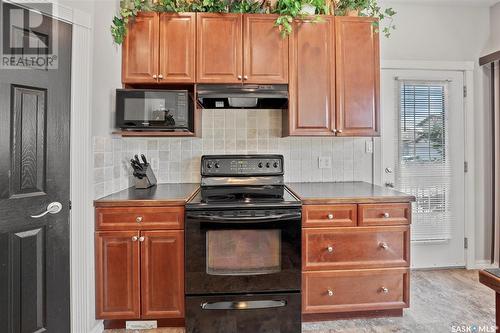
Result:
{"points": [[384, 245], [384, 290], [141, 239], [138, 219], [134, 238], [330, 216], [386, 215], [330, 293], [330, 249]]}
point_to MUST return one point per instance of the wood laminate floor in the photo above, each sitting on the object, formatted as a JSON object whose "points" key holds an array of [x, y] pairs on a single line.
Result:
{"points": [[440, 301]]}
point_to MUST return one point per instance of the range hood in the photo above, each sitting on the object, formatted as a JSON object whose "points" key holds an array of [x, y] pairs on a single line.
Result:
{"points": [[248, 96]]}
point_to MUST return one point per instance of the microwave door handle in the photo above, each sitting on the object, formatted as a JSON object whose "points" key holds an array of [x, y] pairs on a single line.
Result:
{"points": [[239, 219]]}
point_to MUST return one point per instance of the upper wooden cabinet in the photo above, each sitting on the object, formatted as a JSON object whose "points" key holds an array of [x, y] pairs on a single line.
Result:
{"points": [[265, 55], [160, 48], [358, 77], [235, 48], [140, 50], [311, 105], [219, 48]]}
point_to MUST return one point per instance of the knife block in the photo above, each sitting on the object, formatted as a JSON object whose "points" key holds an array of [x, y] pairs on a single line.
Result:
{"points": [[147, 181]]}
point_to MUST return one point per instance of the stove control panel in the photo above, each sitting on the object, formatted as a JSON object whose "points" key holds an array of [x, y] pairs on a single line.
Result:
{"points": [[242, 165]]}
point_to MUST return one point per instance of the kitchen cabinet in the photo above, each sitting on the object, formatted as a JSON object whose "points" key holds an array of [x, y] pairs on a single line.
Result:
{"points": [[357, 76], [160, 48], [139, 266], [235, 48], [311, 104]]}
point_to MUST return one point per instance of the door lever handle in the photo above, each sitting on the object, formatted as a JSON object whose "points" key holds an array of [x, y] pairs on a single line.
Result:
{"points": [[52, 208]]}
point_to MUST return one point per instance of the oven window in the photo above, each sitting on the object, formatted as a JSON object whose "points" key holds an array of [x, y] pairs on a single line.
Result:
{"points": [[243, 252]]}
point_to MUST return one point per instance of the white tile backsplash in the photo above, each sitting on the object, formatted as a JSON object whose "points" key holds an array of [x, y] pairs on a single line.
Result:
{"points": [[177, 160]]}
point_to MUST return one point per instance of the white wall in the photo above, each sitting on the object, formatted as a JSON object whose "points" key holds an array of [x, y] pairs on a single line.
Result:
{"points": [[452, 32], [494, 42]]}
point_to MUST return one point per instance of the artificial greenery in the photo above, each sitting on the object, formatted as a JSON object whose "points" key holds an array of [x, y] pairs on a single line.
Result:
{"points": [[369, 8], [287, 11]]}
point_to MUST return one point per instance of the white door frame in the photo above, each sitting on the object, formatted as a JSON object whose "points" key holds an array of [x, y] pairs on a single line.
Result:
{"points": [[467, 67], [81, 194]]}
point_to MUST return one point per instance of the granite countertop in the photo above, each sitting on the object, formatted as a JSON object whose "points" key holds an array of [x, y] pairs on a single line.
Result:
{"points": [[159, 195], [346, 192]]}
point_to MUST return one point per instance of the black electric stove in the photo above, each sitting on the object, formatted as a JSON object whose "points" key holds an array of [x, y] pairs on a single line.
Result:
{"points": [[243, 248]]}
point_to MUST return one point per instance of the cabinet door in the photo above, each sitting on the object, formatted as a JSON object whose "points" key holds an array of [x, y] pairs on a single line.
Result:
{"points": [[311, 109], [219, 48], [162, 282], [140, 49], [117, 275], [358, 77], [265, 55], [177, 48]]}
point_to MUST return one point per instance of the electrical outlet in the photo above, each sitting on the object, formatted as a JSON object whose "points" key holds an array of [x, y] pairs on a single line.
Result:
{"points": [[141, 324], [325, 162], [369, 146]]}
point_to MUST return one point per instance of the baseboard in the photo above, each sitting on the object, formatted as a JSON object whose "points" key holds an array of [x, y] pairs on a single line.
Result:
{"points": [[482, 264], [99, 328]]}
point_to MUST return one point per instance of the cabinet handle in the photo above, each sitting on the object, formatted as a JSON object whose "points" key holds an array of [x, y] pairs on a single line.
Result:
{"points": [[330, 249], [138, 219], [334, 130], [384, 245], [330, 292], [134, 238], [384, 290], [141, 239], [154, 76], [339, 131], [386, 215], [239, 77], [245, 77], [330, 216], [160, 77]]}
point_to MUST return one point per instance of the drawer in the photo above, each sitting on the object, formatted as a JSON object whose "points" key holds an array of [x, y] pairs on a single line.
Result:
{"points": [[329, 215], [137, 218], [348, 248], [355, 290], [384, 214]]}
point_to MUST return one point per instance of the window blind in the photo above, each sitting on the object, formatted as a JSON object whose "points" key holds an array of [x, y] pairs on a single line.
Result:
{"points": [[423, 168]]}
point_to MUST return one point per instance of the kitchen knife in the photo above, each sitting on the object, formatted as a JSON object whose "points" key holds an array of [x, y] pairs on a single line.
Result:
{"points": [[137, 159], [136, 165], [144, 160]]}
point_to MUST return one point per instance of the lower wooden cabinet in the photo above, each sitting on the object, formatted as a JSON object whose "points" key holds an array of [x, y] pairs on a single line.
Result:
{"points": [[139, 274]]}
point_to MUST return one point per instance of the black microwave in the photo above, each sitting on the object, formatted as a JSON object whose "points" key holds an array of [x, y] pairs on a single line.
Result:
{"points": [[159, 110]]}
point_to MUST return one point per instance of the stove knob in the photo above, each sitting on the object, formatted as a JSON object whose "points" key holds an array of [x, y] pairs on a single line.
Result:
{"points": [[217, 165], [268, 165], [260, 165], [209, 165], [275, 164]]}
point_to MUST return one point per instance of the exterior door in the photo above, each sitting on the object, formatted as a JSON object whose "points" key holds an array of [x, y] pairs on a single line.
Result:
{"points": [[358, 76], [140, 50], [423, 154], [219, 48], [162, 274], [311, 109], [265, 51], [177, 48], [34, 172]]}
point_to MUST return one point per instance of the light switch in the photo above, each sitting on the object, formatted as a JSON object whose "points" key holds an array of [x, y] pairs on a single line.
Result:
{"points": [[325, 162]]}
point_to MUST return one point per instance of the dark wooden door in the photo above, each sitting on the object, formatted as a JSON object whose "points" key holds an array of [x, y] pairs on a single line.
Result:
{"points": [[219, 48], [358, 77], [117, 275], [140, 50], [177, 48], [311, 109], [162, 274], [34, 171], [265, 54]]}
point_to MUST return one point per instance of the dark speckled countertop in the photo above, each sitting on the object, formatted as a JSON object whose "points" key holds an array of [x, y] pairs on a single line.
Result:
{"points": [[159, 195], [346, 192]]}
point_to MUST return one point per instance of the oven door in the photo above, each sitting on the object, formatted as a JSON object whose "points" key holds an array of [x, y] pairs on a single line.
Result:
{"points": [[243, 251]]}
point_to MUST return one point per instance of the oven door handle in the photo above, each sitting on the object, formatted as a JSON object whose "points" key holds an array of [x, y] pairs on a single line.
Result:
{"points": [[236, 219], [243, 305]]}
